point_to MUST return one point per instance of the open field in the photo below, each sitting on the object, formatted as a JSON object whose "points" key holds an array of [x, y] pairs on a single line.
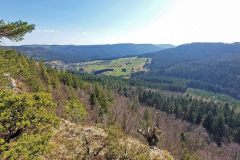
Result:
{"points": [[118, 67]]}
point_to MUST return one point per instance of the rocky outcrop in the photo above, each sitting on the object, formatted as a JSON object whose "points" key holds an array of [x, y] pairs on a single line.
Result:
{"points": [[73, 141], [11, 82]]}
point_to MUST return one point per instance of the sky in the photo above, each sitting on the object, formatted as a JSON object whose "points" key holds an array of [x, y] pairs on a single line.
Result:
{"points": [[125, 21]]}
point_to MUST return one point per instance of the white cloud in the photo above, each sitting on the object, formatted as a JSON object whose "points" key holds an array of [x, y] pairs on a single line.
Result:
{"points": [[48, 31]]}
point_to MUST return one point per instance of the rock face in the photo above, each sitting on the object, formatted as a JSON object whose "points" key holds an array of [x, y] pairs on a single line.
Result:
{"points": [[73, 141], [12, 82]]}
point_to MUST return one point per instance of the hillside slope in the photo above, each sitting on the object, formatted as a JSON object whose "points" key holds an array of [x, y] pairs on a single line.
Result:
{"points": [[43, 109], [208, 66]]}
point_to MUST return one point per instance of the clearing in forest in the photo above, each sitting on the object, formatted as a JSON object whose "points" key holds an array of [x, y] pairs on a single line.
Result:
{"points": [[118, 67]]}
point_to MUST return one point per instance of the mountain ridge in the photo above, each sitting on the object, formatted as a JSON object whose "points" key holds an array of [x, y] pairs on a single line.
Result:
{"points": [[78, 53]]}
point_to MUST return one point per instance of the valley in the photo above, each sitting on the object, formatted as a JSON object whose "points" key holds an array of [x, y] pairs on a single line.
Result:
{"points": [[120, 101], [143, 70], [122, 67], [129, 103]]}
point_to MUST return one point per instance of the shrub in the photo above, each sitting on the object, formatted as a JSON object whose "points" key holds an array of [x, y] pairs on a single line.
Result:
{"points": [[75, 111], [26, 123]]}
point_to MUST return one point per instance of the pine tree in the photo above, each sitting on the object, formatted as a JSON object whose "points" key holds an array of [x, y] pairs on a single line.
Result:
{"points": [[15, 30]]}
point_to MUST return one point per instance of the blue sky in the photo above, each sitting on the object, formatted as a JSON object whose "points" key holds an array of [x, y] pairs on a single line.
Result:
{"points": [[124, 21]]}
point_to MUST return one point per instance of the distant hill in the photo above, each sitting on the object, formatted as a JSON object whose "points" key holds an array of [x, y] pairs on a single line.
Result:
{"points": [[77, 53], [209, 66], [187, 53]]}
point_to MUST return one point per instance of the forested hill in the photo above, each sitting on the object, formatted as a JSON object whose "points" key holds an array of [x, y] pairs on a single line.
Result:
{"points": [[35, 100], [209, 66], [51, 114], [194, 52], [77, 53]]}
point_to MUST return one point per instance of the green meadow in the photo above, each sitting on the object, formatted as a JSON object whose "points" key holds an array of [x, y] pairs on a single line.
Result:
{"points": [[121, 67]]}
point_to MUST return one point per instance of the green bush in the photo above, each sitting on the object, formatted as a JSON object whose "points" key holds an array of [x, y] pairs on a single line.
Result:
{"points": [[26, 123], [75, 111]]}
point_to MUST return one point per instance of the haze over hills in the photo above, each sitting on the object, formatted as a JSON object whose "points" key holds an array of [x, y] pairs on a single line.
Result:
{"points": [[78, 53]]}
